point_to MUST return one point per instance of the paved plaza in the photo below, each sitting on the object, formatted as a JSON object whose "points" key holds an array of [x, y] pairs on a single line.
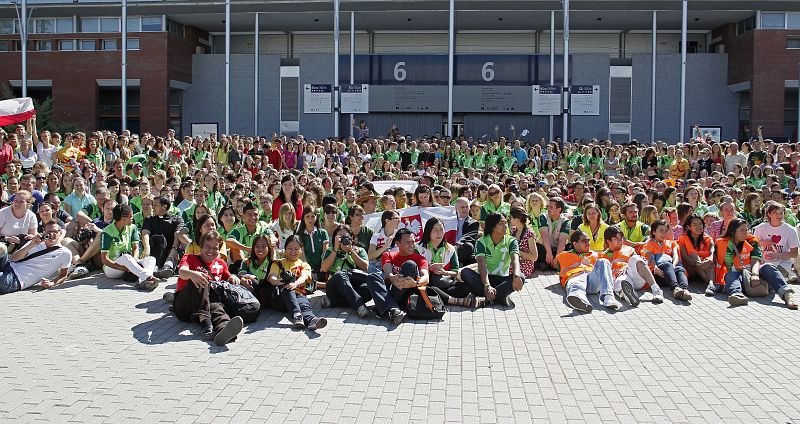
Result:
{"points": [[94, 350]]}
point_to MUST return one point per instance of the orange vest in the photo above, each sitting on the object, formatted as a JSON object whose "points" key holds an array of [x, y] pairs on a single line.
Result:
{"points": [[705, 245], [651, 248], [619, 260], [740, 261], [571, 263]]}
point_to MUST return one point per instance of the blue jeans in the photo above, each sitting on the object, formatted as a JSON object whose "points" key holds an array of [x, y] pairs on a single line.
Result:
{"points": [[342, 290], [674, 276], [297, 304], [8, 280], [767, 272], [386, 295], [600, 280]]}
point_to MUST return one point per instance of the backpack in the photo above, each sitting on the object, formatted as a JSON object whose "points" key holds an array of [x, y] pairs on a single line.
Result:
{"points": [[425, 304], [236, 299]]}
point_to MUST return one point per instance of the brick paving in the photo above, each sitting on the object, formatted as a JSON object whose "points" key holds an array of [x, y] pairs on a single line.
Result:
{"points": [[95, 350]]}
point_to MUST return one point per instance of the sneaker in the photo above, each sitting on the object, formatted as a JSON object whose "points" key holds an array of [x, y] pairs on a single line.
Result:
{"points": [[164, 273], [508, 302], [788, 297], [229, 332], [317, 323], [479, 302], [169, 297], [298, 322], [646, 297], [324, 302], [658, 295], [397, 316], [610, 302], [711, 290], [629, 294], [579, 304], [79, 272], [147, 285], [737, 299], [362, 311], [207, 330], [681, 294], [793, 279]]}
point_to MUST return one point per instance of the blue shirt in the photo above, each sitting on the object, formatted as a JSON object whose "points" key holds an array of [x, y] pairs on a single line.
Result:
{"points": [[521, 155]]}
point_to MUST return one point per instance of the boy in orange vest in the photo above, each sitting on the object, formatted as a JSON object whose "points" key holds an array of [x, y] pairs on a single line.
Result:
{"points": [[583, 271], [629, 270]]}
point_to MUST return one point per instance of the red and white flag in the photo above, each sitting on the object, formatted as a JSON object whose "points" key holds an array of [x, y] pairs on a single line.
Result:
{"points": [[414, 218], [13, 111]]}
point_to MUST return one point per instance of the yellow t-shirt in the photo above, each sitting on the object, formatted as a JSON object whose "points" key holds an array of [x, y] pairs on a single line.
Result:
{"points": [[296, 268], [678, 169]]}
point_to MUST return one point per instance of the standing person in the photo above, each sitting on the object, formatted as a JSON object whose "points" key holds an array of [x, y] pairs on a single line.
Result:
{"points": [[497, 254], [738, 258], [192, 303], [315, 241], [294, 285], [360, 131], [346, 264], [779, 240], [583, 272], [119, 248], [664, 261], [696, 251], [629, 270]]}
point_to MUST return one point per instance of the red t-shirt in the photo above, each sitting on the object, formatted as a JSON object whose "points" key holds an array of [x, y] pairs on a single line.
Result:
{"points": [[397, 261], [6, 155], [217, 269], [275, 159], [276, 207]]}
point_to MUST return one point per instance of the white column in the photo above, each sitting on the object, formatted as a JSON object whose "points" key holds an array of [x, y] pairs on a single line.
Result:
{"points": [[336, 67], [684, 13], [124, 51], [565, 114], [352, 59], [255, 77], [552, 61], [23, 36], [227, 67], [450, 48], [654, 47]]}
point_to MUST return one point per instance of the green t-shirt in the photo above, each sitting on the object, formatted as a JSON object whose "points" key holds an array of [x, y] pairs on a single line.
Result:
{"points": [[480, 160], [489, 207], [259, 271], [343, 261], [115, 243], [241, 235], [498, 256], [508, 162], [392, 156], [312, 246]]}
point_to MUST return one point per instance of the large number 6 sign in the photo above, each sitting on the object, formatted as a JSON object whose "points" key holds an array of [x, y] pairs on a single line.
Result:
{"points": [[487, 71], [400, 71]]}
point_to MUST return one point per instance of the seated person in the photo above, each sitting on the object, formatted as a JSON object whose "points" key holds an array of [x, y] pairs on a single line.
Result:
{"points": [[41, 261], [255, 268], [17, 221], [664, 260], [162, 236], [294, 289], [738, 257], [778, 240], [629, 270], [583, 271], [346, 264], [192, 303], [696, 252], [87, 244], [119, 248]]}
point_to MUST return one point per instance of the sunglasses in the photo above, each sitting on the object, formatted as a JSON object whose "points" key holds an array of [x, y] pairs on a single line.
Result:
{"points": [[494, 193]]}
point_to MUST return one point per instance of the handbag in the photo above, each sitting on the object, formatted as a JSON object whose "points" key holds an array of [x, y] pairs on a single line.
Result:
{"points": [[761, 290], [425, 304]]}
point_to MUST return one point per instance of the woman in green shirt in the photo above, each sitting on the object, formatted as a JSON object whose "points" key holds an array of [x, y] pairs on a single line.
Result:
{"points": [[254, 269], [346, 264], [315, 240]]}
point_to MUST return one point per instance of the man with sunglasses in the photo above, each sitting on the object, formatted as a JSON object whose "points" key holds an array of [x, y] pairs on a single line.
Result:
{"points": [[41, 261]]}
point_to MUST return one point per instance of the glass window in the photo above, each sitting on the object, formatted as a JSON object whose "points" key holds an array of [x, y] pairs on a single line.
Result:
{"points": [[109, 25], [6, 26], [66, 45], [133, 44], [151, 23], [793, 43], [110, 44], [44, 26], [44, 45], [64, 25], [773, 20], [135, 24], [793, 20], [88, 45], [90, 25], [6, 46]]}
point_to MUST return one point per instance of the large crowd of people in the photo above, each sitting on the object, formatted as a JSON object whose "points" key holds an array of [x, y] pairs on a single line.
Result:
{"points": [[285, 216]]}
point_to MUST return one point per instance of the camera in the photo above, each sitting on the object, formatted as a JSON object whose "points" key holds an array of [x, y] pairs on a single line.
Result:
{"points": [[286, 277], [85, 235], [46, 236], [345, 241]]}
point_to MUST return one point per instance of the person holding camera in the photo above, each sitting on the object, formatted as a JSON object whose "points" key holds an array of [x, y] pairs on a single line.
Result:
{"points": [[346, 264], [42, 260], [293, 276], [192, 302]]}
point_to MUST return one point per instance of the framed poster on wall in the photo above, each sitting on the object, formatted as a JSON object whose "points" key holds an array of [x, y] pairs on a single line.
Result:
{"points": [[204, 130], [706, 131]]}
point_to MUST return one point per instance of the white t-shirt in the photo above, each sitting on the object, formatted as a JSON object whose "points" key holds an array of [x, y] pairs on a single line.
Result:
{"points": [[785, 239], [30, 272], [10, 225]]}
